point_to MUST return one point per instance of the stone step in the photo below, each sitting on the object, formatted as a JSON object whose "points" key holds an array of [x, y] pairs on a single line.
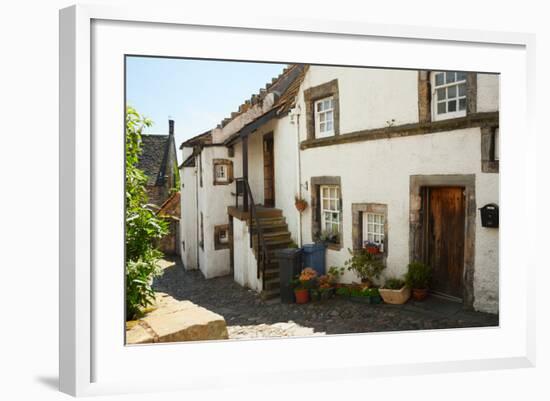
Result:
{"points": [[270, 294], [272, 283], [274, 242], [271, 228], [263, 212], [267, 221]]}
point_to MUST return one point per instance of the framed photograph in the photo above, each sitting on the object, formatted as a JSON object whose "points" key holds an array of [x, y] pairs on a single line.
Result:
{"points": [[237, 193]]}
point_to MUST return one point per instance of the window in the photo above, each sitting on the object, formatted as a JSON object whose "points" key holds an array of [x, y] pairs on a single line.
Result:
{"points": [[221, 237], [373, 229], [322, 110], [324, 117], [449, 94], [223, 171], [330, 209]]}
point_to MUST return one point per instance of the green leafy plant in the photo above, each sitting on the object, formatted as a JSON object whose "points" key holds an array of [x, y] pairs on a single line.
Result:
{"points": [[335, 273], [343, 291], [328, 236], [143, 227], [367, 266], [418, 275], [394, 283]]}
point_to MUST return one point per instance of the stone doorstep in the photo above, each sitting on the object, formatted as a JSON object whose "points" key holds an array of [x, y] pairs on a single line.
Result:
{"points": [[174, 320]]}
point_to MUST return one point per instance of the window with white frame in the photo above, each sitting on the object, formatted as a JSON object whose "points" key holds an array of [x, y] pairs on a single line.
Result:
{"points": [[449, 94], [373, 229], [330, 209], [324, 117], [221, 172]]}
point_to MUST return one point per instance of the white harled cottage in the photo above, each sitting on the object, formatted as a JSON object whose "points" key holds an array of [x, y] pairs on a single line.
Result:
{"points": [[402, 158]]}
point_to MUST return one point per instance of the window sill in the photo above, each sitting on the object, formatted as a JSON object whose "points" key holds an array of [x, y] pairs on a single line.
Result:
{"points": [[334, 247]]}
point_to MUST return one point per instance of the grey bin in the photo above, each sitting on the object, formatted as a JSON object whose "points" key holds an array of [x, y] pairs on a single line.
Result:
{"points": [[290, 265]]}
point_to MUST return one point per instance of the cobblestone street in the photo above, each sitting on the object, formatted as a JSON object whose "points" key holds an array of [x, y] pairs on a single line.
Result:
{"points": [[247, 316]]}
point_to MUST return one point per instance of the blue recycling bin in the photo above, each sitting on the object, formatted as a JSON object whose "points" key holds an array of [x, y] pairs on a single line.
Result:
{"points": [[314, 256]]}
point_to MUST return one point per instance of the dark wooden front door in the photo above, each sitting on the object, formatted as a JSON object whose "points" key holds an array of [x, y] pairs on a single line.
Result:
{"points": [[269, 171], [445, 238]]}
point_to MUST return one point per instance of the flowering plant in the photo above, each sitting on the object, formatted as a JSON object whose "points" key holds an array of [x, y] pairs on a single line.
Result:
{"points": [[306, 279]]}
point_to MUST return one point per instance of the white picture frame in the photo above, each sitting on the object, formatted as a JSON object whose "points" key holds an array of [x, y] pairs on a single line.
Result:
{"points": [[88, 365]]}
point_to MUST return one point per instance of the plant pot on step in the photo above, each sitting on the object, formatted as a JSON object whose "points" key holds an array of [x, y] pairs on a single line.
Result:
{"points": [[419, 294], [302, 296]]}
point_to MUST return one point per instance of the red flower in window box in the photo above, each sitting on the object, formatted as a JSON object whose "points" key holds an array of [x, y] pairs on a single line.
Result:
{"points": [[372, 248]]}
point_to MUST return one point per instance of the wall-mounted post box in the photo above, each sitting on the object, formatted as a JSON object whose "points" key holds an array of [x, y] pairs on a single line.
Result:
{"points": [[489, 215]]}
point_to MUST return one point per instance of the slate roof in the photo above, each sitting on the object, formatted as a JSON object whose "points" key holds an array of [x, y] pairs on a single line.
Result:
{"points": [[154, 150], [286, 86]]}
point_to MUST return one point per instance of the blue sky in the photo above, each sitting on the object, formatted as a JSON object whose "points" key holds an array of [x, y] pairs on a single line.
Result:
{"points": [[196, 94]]}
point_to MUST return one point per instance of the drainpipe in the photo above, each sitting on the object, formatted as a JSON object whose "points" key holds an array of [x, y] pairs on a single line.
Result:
{"points": [[296, 118], [197, 211]]}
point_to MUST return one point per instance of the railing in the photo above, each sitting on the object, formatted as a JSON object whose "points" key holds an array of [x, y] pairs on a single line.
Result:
{"points": [[243, 189]]}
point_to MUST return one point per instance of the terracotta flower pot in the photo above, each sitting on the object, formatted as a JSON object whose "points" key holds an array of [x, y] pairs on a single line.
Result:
{"points": [[300, 205], [302, 296], [419, 294]]}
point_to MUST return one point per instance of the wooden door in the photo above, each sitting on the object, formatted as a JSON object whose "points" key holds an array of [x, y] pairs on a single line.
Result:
{"points": [[269, 172], [445, 239]]}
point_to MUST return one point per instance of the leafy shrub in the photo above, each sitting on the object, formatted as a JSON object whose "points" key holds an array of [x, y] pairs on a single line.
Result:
{"points": [[365, 265], [335, 272], [143, 227], [343, 291], [418, 275], [394, 283]]}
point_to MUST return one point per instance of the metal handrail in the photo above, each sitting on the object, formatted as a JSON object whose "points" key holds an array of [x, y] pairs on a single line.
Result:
{"points": [[253, 216]]}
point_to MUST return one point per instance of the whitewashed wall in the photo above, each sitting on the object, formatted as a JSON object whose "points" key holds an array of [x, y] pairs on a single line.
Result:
{"points": [[213, 203], [368, 97], [245, 272], [487, 92], [188, 221], [379, 171]]}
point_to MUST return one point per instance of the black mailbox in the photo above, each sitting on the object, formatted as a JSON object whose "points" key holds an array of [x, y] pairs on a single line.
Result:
{"points": [[489, 215]]}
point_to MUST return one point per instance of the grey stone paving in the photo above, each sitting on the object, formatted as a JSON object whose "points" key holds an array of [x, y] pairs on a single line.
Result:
{"points": [[247, 316]]}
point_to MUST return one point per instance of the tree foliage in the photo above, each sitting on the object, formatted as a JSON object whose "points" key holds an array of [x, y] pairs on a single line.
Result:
{"points": [[143, 227]]}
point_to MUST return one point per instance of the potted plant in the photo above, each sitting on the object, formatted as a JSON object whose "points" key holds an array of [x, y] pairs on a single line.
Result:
{"points": [[327, 237], [335, 273], [343, 291], [326, 287], [303, 283], [418, 279], [361, 295], [300, 203], [314, 294], [367, 266], [374, 296], [394, 291], [372, 248]]}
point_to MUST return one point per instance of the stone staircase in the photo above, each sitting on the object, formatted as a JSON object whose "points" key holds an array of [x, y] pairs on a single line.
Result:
{"points": [[277, 236]]}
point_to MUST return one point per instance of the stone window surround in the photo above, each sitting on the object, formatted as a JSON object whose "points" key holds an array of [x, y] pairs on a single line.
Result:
{"points": [[417, 182], [316, 93], [316, 183], [489, 163], [229, 164], [357, 211], [217, 243], [425, 95]]}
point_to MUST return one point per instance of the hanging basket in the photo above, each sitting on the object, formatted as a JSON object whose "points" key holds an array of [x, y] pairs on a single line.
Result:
{"points": [[301, 205]]}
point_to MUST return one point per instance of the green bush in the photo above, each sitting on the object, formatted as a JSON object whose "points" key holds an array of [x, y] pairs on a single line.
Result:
{"points": [[143, 227], [418, 275], [365, 265], [394, 283]]}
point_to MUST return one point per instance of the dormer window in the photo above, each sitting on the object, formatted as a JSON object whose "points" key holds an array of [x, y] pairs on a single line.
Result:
{"points": [[324, 117], [449, 94]]}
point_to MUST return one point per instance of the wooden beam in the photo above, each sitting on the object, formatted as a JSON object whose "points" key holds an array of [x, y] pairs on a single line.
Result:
{"points": [[245, 171]]}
